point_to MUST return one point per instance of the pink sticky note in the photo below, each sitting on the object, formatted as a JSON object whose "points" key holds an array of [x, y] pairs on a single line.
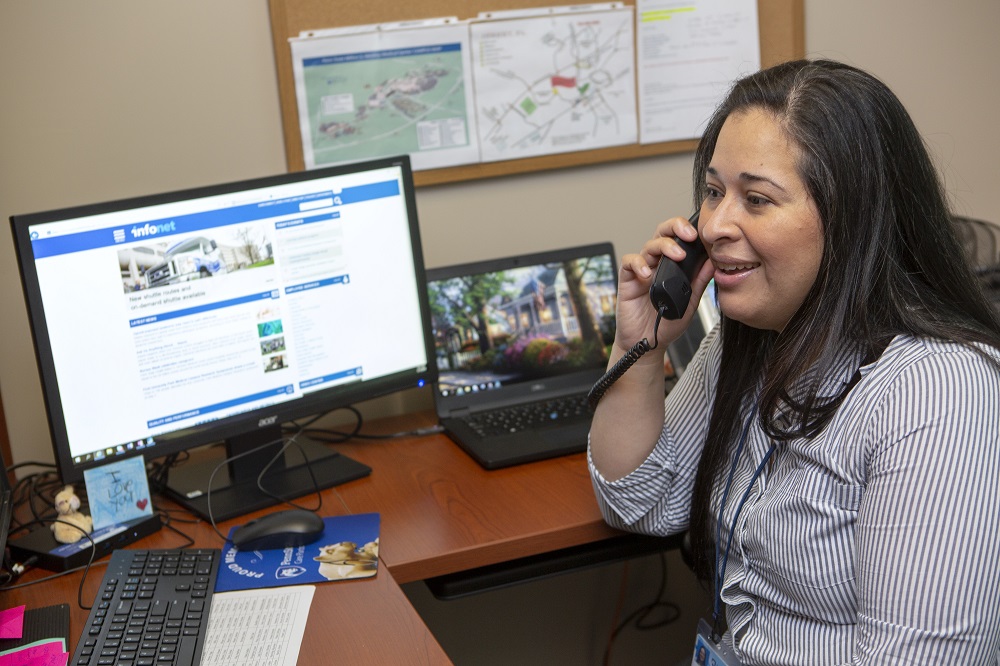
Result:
{"points": [[49, 653], [12, 622]]}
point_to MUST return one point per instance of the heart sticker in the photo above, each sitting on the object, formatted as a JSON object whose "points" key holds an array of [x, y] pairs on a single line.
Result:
{"points": [[142, 504]]}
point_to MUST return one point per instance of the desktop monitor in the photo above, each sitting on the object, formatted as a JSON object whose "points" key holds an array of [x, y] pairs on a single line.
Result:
{"points": [[168, 322]]}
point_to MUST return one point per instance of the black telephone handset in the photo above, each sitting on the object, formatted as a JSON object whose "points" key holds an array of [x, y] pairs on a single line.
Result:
{"points": [[670, 294], [671, 288]]}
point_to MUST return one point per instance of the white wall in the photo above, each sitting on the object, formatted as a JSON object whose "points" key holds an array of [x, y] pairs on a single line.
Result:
{"points": [[941, 60]]}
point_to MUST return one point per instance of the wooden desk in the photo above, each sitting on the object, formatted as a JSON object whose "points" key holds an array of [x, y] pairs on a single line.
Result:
{"points": [[367, 621], [441, 513]]}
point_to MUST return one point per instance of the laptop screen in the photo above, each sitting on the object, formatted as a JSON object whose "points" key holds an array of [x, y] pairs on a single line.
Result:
{"points": [[505, 322]]}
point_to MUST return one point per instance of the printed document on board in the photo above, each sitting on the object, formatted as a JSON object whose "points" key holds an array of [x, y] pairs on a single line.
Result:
{"points": [[378, 91], [554, 81], [689, 53]]}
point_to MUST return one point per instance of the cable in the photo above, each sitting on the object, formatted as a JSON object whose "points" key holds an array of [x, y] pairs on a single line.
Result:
{"points": [[29, 463], [32, 489], [339, 436], [285, 444], [343, 437], [622, 586], [35, 488], [27, 487], [640, 615], [333, 436], [157, 471], [303, 427], [188, 517], [86, 569], [305, 459], [624, 363], [66, 572], [166, 523]]}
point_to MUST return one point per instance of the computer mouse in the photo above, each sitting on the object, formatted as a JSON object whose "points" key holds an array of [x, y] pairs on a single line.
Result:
{"points": [[282, 529]]}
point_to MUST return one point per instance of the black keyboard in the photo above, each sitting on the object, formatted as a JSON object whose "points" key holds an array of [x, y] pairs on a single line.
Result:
{"points": [[535, 415], [151, 610]]}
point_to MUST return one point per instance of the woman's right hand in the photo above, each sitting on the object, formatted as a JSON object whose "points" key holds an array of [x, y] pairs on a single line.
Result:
{"points": [[629, 418], [635, 313]]}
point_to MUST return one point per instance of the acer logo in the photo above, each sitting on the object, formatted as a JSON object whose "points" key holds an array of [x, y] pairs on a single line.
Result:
{"points": [[537, 387], [270, 420]]}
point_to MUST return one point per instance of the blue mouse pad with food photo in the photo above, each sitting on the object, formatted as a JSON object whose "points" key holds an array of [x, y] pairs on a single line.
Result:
{"points": [[347, 549]]}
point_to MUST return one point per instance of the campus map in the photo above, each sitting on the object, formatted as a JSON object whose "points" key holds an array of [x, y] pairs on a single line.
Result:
{"points": [[402, 99]]}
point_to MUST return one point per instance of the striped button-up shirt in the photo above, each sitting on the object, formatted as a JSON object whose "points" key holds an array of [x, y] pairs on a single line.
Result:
{"points": [[877, 541]]}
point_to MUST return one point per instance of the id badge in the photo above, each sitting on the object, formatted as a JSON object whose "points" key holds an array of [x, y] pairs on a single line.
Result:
{"points": [[707, 652]]}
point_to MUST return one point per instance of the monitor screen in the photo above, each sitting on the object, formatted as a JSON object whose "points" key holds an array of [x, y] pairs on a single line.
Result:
{"points": [[168, 322]]}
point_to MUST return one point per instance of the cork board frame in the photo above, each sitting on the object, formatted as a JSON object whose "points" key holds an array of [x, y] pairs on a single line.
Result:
{"points": [[782, 37]]}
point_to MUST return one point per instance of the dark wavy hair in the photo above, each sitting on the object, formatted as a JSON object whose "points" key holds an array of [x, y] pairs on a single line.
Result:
{"points": [[892, 262]]}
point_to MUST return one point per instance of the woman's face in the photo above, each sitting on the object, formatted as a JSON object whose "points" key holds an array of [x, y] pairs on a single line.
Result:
{"points": [[761, 227]]}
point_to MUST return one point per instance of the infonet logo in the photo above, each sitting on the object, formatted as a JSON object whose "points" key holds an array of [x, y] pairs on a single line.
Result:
{"points": [[153, 229]]}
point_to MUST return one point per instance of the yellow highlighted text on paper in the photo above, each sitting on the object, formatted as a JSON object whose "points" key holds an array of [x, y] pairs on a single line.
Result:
{"points": [[663, 14]]}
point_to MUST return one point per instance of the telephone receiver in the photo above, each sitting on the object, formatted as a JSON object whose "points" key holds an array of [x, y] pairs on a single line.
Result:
{"points": [[670, 294], [670, 291]]}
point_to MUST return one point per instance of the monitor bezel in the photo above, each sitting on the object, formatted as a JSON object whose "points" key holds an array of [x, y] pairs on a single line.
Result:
{"points": [[252, 420]]}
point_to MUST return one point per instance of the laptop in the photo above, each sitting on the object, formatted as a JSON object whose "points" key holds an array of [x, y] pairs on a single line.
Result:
{"points": [[519, 342]]}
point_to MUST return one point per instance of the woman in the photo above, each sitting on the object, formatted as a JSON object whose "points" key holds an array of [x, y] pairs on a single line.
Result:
{"points": [[834, 446]]}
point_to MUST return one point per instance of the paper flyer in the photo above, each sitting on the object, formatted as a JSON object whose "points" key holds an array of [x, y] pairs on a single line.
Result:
{"points": [[689, 55], [347, 549]]}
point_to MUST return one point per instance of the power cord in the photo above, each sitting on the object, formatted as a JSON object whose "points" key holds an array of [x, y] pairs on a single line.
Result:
{"points": [[166, 519], [640, 616], [39, 487], [157, 471], [66, 572], [19, 568], [33, 489], [333, 436], [23, 566], [286, 443]]}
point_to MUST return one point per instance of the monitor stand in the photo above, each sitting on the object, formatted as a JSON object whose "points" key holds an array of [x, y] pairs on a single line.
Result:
{"points": [[234, 489]]}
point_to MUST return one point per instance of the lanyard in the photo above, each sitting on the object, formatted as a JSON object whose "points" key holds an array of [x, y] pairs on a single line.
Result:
{"points": [[721, 573]]}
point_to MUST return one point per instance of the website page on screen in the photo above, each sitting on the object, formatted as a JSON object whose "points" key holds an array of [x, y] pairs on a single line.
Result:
{"points": [[169, 316]]}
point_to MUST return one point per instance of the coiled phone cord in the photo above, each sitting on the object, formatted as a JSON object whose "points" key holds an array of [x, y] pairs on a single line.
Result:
{"points": [[624, 363]]}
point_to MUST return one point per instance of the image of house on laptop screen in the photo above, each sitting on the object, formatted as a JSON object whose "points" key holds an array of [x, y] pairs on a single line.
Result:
{"points": [[522, 323]]}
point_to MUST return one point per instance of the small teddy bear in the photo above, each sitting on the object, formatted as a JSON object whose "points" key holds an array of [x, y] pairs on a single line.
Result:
{"points": [[67, 506]]}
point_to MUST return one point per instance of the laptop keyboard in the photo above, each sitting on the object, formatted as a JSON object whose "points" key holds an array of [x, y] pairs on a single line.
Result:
{"points": [[559, 411], [151, 610]]}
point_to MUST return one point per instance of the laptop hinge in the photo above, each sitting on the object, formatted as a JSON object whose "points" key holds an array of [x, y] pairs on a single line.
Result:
{"points": [[459, 412]]}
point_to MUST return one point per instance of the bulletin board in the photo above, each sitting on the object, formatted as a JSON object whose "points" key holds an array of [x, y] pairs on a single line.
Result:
{"points": [[781, 38]]}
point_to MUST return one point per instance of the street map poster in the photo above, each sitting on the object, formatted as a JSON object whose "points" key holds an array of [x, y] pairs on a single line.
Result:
{"points": [[554, 81], [377, 92]]}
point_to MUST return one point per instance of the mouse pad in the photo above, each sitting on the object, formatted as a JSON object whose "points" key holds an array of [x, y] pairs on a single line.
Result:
{"points": [[347, 549]]}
